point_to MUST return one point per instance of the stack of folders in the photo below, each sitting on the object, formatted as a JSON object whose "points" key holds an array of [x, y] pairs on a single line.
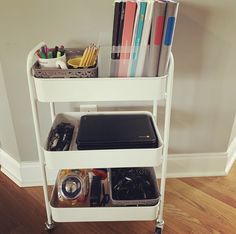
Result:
{"points": [[142, 37]]}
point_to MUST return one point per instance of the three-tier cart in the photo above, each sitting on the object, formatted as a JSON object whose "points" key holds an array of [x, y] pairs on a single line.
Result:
{"points": [[102, 89]]}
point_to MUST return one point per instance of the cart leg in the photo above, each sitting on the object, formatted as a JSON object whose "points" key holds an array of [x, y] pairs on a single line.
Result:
{"points": [[49, 226], [159, 227]]}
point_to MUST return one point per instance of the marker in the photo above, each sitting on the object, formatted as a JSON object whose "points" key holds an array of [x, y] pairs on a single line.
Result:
{"points": [[58, 54], [46, 50], [42, 49], [38, 53], [49, 54], [42, 55]]}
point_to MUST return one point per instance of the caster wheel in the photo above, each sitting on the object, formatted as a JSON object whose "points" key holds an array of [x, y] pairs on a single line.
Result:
{"points": [[158, 230], [49, 227]]}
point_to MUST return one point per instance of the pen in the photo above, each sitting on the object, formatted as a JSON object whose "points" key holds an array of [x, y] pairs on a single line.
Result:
{"points": [[62, 50], [54, 52]]}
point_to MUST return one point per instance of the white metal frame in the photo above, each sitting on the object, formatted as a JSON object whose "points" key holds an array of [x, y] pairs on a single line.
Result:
{"points": [[162, 90]]}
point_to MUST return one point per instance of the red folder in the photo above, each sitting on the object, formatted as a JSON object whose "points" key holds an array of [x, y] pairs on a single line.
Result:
{"points": [[129, 19]]}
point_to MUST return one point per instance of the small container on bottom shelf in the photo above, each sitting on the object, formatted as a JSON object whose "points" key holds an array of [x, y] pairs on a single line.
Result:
{"points": [[133, 186], [72, 186]]}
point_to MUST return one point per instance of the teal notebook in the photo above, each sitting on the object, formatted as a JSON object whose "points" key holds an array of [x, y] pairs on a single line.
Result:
{"points": [[137, 39]]}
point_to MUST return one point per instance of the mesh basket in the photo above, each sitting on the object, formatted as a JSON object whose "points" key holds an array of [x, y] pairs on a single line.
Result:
{"points": [[90, 72]]}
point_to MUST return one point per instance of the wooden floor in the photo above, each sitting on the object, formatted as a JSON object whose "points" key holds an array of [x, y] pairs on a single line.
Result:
{"points": [[192, 205]]}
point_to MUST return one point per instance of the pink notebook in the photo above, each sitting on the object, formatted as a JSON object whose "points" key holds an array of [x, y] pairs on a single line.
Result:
{"points": [[129, 19]]}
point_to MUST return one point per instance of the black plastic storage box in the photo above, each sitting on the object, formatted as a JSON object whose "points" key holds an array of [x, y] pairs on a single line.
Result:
{"points": [[133, 186]]}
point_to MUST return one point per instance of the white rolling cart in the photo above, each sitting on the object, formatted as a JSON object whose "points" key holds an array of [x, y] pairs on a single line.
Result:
{"points": [[102, 89]]}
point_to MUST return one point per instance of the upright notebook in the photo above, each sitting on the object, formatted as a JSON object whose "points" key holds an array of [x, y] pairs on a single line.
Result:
{"points": [[158, 20], [144, 40], [116, 25], [170, 21], [137, 37], [130, 11], [116, 132], [118, 22]]}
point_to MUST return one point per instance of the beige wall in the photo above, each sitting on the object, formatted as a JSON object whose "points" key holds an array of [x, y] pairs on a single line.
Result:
{"points": [[204, 87], [7, 133], [25, 23], [204, 95]]}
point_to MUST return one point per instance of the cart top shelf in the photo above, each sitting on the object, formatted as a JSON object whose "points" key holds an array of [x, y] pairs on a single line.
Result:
{"points": [[102, 88], [99, 89]]}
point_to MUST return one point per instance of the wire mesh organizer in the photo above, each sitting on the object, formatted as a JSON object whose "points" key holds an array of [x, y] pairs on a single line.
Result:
{"points": [[107, 89], [87, 72]]}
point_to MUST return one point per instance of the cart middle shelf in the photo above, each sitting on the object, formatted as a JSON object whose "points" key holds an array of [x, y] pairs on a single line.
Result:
{"points": [[102, 158]]}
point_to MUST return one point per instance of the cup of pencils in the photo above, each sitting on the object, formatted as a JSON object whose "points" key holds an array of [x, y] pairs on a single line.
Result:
{"points": [[52, 58], [88, 59]]}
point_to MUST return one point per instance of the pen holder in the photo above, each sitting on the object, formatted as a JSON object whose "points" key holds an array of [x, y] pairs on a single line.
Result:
{"points": [[59, 62], [54, 72]]}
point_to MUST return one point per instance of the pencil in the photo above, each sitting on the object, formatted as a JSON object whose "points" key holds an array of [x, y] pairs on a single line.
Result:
{"points": [[90, 60], [95, 55], [83, 57], [86, 56]]}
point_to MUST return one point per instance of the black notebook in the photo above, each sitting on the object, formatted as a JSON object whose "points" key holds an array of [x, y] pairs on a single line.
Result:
{"points": [[116, 132]]}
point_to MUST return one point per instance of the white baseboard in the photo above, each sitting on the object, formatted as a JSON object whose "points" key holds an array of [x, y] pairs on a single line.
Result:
{"points": [[195, 165], [27, 174], [24, 174], [231, 155], [10, 167], [31, 174]]}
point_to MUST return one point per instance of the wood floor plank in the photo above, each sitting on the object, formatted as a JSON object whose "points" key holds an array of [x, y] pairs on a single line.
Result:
{"points": [[196, 210], [205, 205], [221, 188]]}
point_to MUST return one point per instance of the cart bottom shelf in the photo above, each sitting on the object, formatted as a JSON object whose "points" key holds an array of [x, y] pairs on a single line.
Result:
{"points": [[86, 214], [83, 212]]}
